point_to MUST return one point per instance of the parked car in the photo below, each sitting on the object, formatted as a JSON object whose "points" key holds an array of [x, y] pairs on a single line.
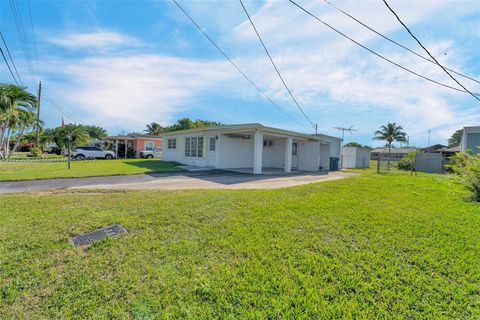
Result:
{"points": [[147, 154], [82, 153], [52, 149], [150, 154]]}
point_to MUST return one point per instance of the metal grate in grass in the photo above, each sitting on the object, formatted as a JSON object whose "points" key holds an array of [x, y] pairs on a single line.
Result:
{"points": [[90, 237]]}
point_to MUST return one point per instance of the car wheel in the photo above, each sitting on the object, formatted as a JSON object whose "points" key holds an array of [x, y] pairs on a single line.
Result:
{"points": [[149, 156], [80, 157], [108, 157]]}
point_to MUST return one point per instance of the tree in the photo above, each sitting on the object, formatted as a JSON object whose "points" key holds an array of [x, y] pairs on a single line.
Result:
{"points": [[26, 120], [154, 128], [357, 145], [390, 133], [96, 133], [181, 124], [17, 112], [455, 139], [59, 135]]}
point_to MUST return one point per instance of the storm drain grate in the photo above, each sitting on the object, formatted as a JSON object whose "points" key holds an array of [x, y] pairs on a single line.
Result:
{"points": [[88, 238]]}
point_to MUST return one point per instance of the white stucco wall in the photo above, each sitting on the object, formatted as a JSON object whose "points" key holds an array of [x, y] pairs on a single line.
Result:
{"points": [[234, 152], [274, 156], [309, 156], [325, 156], [178, 154]]}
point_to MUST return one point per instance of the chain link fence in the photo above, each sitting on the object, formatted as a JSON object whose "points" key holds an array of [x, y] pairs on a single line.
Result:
{"points": [[421, 162]]}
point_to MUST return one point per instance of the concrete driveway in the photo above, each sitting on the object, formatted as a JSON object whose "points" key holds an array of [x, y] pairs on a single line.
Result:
{"points": [[216, 179]]}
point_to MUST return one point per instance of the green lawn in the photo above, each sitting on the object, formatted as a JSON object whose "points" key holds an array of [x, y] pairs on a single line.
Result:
{"points": [[10, 171], [372, 246]]}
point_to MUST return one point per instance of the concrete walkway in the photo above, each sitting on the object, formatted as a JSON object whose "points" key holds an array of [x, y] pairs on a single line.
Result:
{"points": [[216, 179], [229, 181]]}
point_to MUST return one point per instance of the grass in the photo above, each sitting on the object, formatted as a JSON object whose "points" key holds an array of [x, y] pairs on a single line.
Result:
{"points": [[13, 171], [372, 246]]}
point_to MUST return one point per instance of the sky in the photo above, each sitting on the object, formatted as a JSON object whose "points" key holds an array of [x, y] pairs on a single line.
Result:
{"points": [[123, 64]]}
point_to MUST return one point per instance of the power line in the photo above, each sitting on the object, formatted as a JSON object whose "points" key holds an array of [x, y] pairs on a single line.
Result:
{"points": [[395, 42], [11, 60], [21, 33], [234, 64], [33, 32], [376, 53], [274, 65], [428, 52], [8, 66], [62, 110]]}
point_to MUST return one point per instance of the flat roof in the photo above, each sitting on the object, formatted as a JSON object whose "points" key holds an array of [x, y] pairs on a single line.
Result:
{"points": [[234, 128], [134, 137]]}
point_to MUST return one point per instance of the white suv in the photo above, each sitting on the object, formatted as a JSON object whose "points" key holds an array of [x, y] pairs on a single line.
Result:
{"points": [[82, 153]]}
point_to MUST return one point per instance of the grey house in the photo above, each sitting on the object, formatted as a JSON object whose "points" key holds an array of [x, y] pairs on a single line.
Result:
{"points": [[470, 139]]}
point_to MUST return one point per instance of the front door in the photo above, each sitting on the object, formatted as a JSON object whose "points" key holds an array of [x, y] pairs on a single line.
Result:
{"points": [[211, 151], [295, 155]]}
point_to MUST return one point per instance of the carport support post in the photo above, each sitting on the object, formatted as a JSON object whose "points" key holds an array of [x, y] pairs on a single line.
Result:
{"points": [[126, 148], [257, 152], [288, 155], [116, 147]]}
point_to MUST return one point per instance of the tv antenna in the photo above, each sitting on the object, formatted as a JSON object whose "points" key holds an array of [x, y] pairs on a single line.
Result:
{"points": [[343, 131]]}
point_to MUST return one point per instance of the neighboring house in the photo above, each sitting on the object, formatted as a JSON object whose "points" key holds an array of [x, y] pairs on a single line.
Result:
{"points": [[470, 139], [355, 157], [251, 148], [132, 144], [447, 152], [394, 152], [433, 148]]}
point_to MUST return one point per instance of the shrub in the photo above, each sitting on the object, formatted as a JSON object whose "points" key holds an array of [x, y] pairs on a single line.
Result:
{"points": [[466, 171], [407, 162], [35, 151]]}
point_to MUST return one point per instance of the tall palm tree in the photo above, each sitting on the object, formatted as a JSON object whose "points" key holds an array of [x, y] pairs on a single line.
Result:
{"points": [[14, 100], [154, 128], [390, 133]]}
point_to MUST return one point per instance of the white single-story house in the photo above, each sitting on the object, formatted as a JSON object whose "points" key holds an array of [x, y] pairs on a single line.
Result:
{"points": [[470, 139], [355, 157], [252, 147]]}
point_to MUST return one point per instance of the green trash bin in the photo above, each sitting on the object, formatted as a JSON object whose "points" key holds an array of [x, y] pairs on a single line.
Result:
{"points": [[334, 161]]}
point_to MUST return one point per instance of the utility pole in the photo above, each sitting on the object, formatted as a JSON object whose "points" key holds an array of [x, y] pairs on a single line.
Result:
{"points": [[428, 147], [343, 131], [316, 128], [38, 112]]}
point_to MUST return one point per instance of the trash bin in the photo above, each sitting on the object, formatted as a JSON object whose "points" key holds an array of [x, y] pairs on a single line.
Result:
{"points": [[334, 163]]}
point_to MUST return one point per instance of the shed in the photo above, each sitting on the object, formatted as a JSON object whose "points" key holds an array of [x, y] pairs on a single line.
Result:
{"points": [[355, 157]]}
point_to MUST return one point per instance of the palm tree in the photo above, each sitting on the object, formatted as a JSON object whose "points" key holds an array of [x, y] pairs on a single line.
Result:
{"points": [[14, 101], [78, 134], [26, 120], [390, 133], [154, 128]]}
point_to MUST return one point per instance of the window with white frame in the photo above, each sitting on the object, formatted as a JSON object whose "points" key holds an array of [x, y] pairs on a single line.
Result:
{"points": [[148, 145], [212, 142], [194, 147], [172, 143]]}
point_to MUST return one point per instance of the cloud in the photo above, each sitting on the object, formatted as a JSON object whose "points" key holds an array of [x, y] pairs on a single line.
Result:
{"points": [[99, 40], [129, 91], [335, 81], [324, 70]]}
